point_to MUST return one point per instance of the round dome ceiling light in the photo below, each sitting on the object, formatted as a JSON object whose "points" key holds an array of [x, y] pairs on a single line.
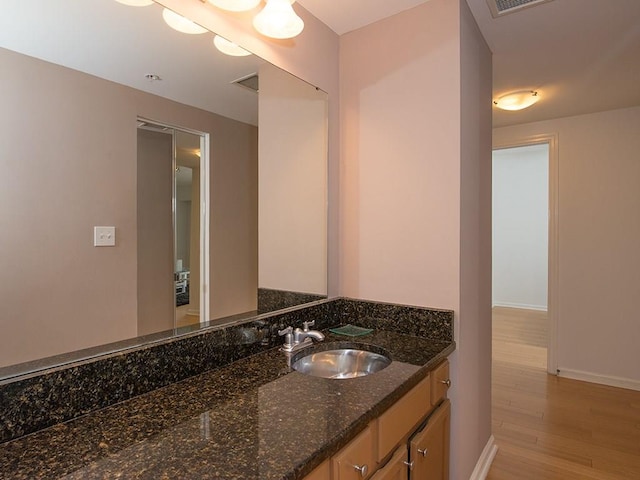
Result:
{"points": [[235, 5], [136, 3], [229, 48], [278, 20], [182, 24], [517, 100]]}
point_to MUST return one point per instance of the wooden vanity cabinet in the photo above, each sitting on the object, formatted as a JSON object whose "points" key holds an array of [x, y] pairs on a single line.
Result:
{"points": [[395, 424], [429, 447], [321, 472], [396, 468], [357, 460], [411, 430]]}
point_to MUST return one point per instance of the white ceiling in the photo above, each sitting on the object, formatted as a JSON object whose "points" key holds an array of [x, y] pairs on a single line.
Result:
{"points": [[581, 55], [343, 16], [121, 43]]}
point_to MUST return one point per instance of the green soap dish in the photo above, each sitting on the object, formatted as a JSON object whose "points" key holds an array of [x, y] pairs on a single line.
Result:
{"points": [[351, 330]]}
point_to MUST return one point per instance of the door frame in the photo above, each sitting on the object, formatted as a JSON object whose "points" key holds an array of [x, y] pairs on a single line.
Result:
{"points": [[205, 197], [205, 139], [553, 239]]}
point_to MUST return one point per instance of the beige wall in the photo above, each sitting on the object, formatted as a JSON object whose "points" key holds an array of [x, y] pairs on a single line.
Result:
{"points": [[599, 234], [70, 165], [63, 174], [233, 215], [400, 123], [415, 187], [292, 164], [313, 57]]}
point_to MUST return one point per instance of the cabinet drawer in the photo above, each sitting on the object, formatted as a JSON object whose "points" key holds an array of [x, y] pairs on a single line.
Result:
{"points": [[429, 448], [396, 468], [440, 382], [356, 461], [406, 413], [321, 472]]}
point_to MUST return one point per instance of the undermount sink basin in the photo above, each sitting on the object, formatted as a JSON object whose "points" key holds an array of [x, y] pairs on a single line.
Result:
{"points": [[341, 363]]}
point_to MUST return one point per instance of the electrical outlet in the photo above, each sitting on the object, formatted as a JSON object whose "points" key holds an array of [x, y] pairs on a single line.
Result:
{"points": [[104, 236]]}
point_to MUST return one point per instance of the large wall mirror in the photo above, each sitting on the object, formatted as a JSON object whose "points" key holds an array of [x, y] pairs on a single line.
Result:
{"points": [[111, 118]]}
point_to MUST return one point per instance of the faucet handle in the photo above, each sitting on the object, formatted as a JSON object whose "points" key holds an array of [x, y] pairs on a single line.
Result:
{"points": [[289, 341], [306, 325], [286, 331]]}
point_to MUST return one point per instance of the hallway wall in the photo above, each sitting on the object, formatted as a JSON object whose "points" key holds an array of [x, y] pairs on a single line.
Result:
{"points": [[599, 230], [415, 187]]}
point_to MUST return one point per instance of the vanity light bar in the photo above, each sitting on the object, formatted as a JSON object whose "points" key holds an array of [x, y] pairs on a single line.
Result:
{"points": [[235, 5]]}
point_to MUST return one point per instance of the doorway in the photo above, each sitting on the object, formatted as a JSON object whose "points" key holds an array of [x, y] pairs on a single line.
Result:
{"points": [[525, 252], [172, 243]]}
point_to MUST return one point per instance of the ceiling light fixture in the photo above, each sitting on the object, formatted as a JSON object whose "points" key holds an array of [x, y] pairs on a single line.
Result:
{"points": [[181, 24], [235, 5], [229, 48], [517, 100], [278, 20], [136, 3]]}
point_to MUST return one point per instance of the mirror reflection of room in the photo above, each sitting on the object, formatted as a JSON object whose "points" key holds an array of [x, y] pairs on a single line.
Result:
{"points": [[168, 227], [67, 295], [187, 229]]}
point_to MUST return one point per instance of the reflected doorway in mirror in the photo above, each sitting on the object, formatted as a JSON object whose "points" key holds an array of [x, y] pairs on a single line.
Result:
{"points": [[172, 238]]}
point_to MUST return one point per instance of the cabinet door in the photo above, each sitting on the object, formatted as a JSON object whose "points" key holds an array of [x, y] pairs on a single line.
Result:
{"points": [[357, 460], [429, 448], [395, 424], [396, 468]]}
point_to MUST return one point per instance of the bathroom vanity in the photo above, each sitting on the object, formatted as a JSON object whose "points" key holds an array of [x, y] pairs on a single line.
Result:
{"points": [[409, 440], [257, 418]]}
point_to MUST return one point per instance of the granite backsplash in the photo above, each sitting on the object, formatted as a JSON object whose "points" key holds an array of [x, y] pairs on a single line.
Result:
{"points": [[270, 300], [55, 395]]}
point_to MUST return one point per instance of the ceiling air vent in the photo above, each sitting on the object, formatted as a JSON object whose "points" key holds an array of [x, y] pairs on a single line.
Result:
{"points": [[503, 7], [250, 82]]}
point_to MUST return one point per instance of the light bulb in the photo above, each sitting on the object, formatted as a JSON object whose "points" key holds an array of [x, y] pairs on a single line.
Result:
{"points": [[181, 24], [278, 20], [229, 48], [517, 100], [235, 5]]}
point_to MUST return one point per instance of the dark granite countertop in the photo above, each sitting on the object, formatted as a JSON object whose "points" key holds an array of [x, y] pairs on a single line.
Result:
{"points": [[251, 419]]}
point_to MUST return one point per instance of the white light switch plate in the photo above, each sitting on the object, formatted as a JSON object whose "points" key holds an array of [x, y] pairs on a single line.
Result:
{"points": [[104, 236]]}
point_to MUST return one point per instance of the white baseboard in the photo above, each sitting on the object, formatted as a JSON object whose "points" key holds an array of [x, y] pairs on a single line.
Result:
{"points": [[484, 462], [523, 306], [601, 379]]}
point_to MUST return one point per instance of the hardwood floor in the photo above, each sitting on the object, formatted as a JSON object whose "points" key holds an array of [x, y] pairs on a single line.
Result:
{"points": [[185, 317], [548, 427], [520, 337]]}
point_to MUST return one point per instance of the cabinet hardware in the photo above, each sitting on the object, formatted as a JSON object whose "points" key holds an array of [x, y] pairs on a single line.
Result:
{"points": [[447, 382], [409, 464], [362, 469], [423, 452]]}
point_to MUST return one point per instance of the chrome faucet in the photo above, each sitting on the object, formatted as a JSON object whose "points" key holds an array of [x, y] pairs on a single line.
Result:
{"points": [[300, 337]]}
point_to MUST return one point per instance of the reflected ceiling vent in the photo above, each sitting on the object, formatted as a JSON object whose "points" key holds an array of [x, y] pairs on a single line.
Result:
{"points": [[250, 82], [503, 7]]}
